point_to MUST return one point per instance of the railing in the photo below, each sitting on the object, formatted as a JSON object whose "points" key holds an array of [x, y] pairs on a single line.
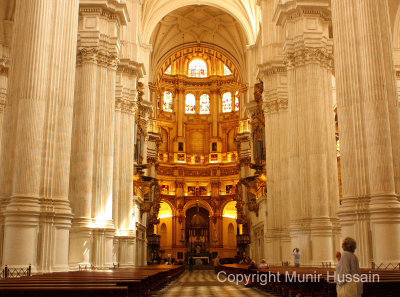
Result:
{"points": [[198, 159], [15, 272], [392, 266], [92, 267]]}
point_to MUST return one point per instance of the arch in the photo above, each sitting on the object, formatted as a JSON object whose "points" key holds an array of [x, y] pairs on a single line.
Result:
{"points": [[190, 103], [165, 210], [168, 101], [247, 14], [197, 67], [201, 203], [229, 210], [167, 59], [227, 102], [205, 104]]}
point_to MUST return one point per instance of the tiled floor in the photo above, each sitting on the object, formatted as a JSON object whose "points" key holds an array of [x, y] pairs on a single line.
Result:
{"points": [[205, 283]]}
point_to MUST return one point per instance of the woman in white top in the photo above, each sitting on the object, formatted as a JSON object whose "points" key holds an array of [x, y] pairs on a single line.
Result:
{"points": [[297, 256], [347, 267]]}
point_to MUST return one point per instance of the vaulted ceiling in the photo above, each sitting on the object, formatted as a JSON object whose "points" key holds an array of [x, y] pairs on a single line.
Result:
{"points": [[197, 25]]}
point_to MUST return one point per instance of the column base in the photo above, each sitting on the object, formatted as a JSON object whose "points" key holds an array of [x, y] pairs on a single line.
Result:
{"points": [[314, 238], [374, 222], [126, 250]]}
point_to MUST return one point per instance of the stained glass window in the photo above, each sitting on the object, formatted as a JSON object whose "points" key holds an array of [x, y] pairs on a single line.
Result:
{"points": [[197, 68], [190, 103], [227, 102], [169, 70], [227, 71], [237, 102], [168, 100], [204, 104]]}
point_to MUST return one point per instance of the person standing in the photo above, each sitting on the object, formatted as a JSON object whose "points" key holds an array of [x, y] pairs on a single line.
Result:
{"points": [[263, 265], [191, 264], [346, 269], [216, 264], [296, 257]]}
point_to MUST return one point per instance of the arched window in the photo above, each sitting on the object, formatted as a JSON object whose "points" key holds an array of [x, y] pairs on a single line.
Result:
{"points": [[197, 68], [190, 103], [204, 104], [237, 102], [227, 102], [230, 210], [227, 71], [168, 100], [169, 70]]}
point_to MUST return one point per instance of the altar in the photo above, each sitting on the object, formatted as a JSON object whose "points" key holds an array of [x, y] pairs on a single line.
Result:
{"points": [[201, 259]]}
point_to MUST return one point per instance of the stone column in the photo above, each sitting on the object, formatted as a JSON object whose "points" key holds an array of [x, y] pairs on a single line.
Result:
{"points": [[312, 160], [35, 157], [368, 128], [5, 39], [125, 108], [275, 98], [93, 133]]}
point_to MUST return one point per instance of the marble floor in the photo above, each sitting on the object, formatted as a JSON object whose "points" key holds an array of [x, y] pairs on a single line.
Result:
{"points": [[205, 283]]}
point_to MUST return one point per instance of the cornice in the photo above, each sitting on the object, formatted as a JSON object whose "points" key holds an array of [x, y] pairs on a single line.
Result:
{"points": [[295, 9], [112, 9]]}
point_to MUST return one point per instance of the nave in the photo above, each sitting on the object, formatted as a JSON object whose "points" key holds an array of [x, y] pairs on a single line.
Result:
{"points": [[205, 283]]}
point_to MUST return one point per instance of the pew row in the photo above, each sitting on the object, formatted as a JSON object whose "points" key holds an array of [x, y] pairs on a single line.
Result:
{"points": [[315, 281], [123, 282]]}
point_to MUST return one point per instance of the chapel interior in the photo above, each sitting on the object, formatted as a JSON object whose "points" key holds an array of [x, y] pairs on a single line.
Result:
{"points": [[143, 132]]}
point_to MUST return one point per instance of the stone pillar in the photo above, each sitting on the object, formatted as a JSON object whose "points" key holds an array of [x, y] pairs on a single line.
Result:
{"points": [[275, 98], [5, 39], [123, 208], [312, 160], [35, 157], [368, 128], [93, 132]]}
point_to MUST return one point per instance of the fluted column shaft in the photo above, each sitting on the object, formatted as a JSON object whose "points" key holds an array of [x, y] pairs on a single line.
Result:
{"points": [[312, 160], [35, 156], [368, 129], [277, 156], [123, 207], [92, 160]]}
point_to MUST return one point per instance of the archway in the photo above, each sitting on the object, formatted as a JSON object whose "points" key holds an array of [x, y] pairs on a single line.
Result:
{"points": [[198, 229]]}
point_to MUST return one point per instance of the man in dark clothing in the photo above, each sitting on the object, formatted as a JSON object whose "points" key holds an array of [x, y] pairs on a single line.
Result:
{"points": [[191, 263]]}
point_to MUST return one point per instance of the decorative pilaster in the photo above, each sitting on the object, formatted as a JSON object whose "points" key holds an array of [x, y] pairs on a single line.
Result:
{"points": [[91, 179], [312, 160], [35, 154], [368, 129]]}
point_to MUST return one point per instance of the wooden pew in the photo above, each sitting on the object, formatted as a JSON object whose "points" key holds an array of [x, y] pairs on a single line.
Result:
{"points": [[138, 281], [389, 284]]}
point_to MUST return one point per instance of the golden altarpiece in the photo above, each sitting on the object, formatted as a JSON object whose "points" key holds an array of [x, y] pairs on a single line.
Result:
{"points": [[204, 151]]}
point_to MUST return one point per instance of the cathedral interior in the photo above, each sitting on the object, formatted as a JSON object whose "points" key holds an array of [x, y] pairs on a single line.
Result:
{"points": [[135, 132]]}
